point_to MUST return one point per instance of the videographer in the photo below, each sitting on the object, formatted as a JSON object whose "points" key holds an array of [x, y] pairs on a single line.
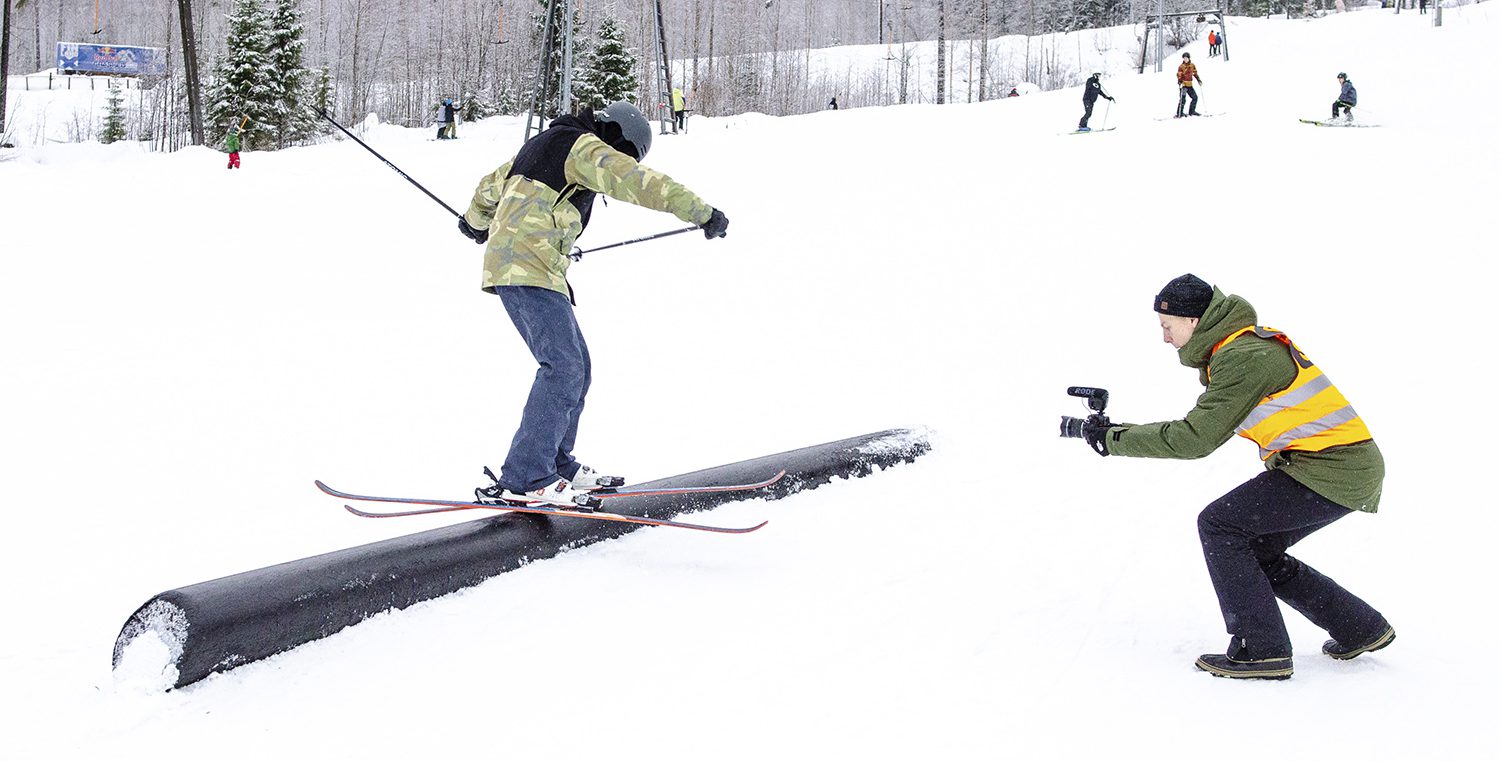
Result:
{"points": [[1321, 465]]}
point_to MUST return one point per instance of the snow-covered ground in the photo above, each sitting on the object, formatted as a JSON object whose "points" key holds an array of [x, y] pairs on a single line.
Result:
{"points": [[187, 348]]}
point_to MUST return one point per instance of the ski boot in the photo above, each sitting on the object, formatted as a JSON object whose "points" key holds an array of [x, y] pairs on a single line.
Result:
{"points": [[559, 494], [588, 480]]}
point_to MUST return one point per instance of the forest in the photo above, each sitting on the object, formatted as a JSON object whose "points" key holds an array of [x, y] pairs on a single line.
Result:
{"points": [[399, 58]]}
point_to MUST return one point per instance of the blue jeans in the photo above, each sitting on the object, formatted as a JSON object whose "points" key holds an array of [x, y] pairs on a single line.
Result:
{"points": [[1183, 93], [542, 449]]}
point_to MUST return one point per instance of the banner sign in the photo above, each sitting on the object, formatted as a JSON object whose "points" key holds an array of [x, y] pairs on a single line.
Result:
{"points": [[82, 57]]}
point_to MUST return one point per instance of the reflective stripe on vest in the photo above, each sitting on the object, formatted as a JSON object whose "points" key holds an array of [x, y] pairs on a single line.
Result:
{"points": [[1309, 415]]}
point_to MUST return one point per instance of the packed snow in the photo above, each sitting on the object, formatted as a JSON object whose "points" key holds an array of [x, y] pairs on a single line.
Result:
{"points": [[187, 348]]}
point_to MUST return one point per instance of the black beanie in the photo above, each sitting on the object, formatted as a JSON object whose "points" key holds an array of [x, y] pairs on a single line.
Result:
{"points": [[1184, 296]]}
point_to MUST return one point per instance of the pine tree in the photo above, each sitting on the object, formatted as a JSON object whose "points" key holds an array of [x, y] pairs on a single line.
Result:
{"points": [[613, 66], [290, 119], [114, 117], [243, 80]]}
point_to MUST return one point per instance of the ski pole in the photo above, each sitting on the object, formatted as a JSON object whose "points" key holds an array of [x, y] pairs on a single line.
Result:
{"points": [[388, 163], [578, 253]]}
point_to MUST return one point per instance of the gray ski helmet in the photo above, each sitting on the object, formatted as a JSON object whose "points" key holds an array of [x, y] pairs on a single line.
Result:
{"points": [[633, 125], [1343, 76]]}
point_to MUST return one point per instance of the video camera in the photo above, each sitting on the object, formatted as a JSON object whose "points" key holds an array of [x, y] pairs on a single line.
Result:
{"points": [[1095, 399]]}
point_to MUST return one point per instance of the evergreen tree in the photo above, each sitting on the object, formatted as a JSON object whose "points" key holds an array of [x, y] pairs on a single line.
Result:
{"points": [[612, 74], [290, 119], [114, 117], [244, 81]]}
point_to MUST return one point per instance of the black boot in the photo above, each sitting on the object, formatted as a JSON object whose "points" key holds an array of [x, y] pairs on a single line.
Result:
{"points": [[1339, 651], [1220, 665]]}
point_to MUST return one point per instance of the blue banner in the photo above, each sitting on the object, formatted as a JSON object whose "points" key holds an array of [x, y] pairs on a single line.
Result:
{"points": [[129, 60]]}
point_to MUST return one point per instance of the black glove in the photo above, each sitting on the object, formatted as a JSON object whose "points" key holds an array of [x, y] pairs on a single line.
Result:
{"points": [[479, 236], [1111, 100], [1094, 430], [717, 225]]}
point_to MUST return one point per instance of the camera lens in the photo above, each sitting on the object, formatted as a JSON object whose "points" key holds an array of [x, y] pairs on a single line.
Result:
{"points": [[1071, 427]]}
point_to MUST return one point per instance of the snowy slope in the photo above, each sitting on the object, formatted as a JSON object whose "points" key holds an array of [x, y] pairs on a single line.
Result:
{"points": [[188, 348]]}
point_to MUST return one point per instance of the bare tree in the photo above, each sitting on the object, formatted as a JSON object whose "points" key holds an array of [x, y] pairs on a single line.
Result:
{"points": [[5, 57], [190, 68]]}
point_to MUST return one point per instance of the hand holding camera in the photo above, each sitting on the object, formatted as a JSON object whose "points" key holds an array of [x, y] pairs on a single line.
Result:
{"points": [[1093, 428]]}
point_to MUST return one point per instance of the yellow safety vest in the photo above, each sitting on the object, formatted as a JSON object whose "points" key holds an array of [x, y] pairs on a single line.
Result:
{"points": [[1309, 415]]}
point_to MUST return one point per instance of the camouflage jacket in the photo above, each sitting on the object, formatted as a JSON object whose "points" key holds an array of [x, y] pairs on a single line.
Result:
{"points": [[537, 204]]}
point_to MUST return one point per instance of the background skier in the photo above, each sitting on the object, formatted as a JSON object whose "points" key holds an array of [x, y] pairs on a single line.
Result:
{"points": [[447, 120], [679, 110], [529, 212], [1347, 98], [1092, 91], [1321, 465], [1186, 73]]}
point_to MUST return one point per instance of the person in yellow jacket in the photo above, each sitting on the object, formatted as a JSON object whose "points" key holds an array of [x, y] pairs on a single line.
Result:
{"points": [[528, 213], [1186, 74], [1321, 462], [679, 110]]}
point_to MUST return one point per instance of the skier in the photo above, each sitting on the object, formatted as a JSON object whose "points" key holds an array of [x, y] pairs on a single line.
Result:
{"points": [[530, 211], [1213, 43], [1092, 91], [679, 110], [1347, 98], [1186, 73], [1321, 465], [447, 123], [233, 144], [833, 103]]}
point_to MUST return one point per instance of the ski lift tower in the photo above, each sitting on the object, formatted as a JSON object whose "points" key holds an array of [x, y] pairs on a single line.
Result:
{"points": [[558, 12], [1158, 21], [663, 72]]}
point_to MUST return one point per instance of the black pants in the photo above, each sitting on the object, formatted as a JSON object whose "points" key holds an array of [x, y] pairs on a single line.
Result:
{"points": [[1088, 111], [1245, 537], [679, 120], [1340, 104], [1185, 92]]}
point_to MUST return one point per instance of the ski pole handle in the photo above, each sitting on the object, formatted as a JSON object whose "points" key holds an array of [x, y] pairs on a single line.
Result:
{"points": [[388, 163], [578, 253]]}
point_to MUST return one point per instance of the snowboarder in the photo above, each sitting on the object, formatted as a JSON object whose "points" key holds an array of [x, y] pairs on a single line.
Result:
{"points": [[447, 123], [1347, 98], [1013, 93], [529, 212], [679, 110], [233, 144], [1321, 465], [1186, 73], [1092, 91]]}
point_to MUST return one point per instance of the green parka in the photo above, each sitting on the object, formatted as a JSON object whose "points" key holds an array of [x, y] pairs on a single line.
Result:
{"points": [[1245, 371]]}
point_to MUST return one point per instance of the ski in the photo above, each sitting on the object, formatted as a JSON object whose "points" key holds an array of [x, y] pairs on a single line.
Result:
{"points": [[1085, 132], [447, 506], [606, 494], [1187, 116], [1331, 123]]}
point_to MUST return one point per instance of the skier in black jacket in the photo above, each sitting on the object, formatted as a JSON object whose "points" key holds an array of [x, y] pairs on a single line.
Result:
{"points": [[1092, 91]]}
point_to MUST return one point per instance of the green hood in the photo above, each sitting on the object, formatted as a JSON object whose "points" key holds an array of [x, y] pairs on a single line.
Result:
{"points": [[1225, 315]]}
